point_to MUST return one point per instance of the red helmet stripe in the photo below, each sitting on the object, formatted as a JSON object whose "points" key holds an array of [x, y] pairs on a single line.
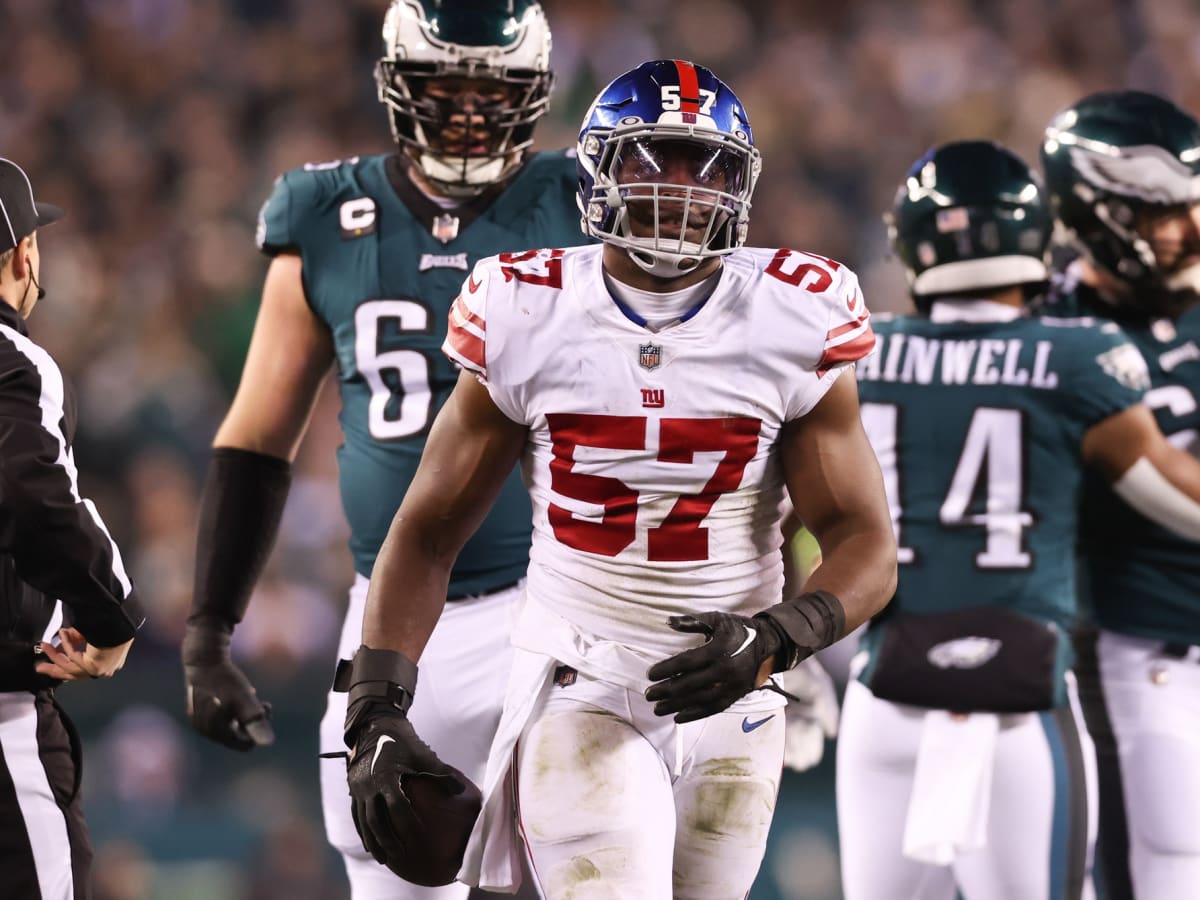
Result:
{"points": [[689, 87]]}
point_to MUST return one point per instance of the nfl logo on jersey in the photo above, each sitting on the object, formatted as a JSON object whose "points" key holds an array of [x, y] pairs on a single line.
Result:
{"points": [[445, 228], [649, 356]]}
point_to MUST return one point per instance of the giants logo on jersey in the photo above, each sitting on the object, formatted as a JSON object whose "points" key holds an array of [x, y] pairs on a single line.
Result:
{"points": [[654, 398]]}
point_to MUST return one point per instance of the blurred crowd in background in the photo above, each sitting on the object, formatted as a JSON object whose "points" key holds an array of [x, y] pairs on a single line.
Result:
{"points": [[160, 124]]}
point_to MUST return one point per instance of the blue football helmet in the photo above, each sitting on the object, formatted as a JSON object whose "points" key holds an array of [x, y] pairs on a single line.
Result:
{"points": [[667, 164]]}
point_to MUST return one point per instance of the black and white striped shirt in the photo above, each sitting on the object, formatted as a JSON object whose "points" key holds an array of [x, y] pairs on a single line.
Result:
{"points": [[55, 550]]}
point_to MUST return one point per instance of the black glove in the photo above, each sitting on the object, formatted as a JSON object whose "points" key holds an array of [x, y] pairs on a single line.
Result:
{"points": [[221, 703], [413, 812], [707, 679]]}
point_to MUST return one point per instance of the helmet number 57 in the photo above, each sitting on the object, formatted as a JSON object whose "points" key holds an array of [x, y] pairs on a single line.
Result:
{"points": [[671, 102]]}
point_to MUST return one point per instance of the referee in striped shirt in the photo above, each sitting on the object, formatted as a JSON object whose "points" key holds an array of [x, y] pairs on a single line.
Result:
{"points": [[67, 609]]}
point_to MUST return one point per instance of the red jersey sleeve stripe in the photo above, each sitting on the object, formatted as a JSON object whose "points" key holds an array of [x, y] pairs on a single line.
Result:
{"points": [[844, 333], [467, 347], [459, 314], [847, 352]]}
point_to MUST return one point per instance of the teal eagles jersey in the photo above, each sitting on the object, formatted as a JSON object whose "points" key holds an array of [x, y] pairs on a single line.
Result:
{"points": [[382, 264], [977, 427], [1139, 578]]}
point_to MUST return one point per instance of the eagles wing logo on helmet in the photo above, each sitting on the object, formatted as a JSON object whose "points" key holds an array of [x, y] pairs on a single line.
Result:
{"points": [[1151, 174]]}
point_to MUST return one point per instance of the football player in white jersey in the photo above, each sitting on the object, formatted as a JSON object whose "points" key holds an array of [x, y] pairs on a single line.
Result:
{"points": [[663, 391]]}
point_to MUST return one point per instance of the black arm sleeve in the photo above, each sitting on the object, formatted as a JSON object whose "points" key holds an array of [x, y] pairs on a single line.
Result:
{"points": [[240, 511], [59, 543], [808, 623]]}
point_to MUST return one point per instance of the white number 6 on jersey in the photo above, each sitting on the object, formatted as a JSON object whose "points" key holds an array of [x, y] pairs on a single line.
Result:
{"points": [[408, 369]]}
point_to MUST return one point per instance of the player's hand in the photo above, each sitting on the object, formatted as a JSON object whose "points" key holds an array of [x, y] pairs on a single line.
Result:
{"points": [[812, 714], [738, 657], [221, 702], [386, 759], [75, 658]]}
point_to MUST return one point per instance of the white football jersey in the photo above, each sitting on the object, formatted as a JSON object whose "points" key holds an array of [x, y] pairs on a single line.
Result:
{"points": [[652, 456]]}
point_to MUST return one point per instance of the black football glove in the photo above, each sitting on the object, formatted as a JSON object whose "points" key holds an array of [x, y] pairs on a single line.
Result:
{"points": [[710, 678], [707, 679], [221, 702], [386, 756], [413, 812]]}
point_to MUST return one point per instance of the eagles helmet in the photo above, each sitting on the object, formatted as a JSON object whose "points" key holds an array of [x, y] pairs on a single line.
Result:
{"points": [[667, 164], [970, 216], [1112, 159], [506, 42]]}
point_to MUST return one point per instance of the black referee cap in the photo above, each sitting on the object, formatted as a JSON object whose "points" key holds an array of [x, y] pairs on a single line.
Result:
{"points": [[20, 214]]}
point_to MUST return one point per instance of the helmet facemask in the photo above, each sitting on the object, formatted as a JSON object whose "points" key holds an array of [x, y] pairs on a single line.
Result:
{"points": [[464, 87], [670, 195], [1157, 275]]}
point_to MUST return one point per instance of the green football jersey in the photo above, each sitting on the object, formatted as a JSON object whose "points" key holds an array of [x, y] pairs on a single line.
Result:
{"points": [[1139, 578], [977, 427], [382, 264]]}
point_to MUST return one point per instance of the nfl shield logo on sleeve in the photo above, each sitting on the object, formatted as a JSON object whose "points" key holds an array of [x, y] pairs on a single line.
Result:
{"points": [[649, 356]]}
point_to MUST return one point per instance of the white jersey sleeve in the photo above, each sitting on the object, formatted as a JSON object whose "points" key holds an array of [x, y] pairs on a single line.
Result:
{"points": [[466, 334], [815, 323], [499, 285]]}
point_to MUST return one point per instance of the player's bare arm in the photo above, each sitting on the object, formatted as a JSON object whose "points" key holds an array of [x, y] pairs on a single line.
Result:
{"points": [[1156, 478], [472, 447], [247, 484], [835, 486], [470, 451], [290, 354]]}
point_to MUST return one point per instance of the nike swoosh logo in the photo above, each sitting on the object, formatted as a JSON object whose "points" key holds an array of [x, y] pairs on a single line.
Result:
{"points": [[748, 726], [472, 284], [750, 636], [385, 739]]}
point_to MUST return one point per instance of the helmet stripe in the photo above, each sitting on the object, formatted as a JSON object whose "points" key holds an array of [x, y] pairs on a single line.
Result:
{"points": [[689, 87]]}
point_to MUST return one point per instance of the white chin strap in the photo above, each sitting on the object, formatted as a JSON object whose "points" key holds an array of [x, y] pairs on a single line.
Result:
{"points": [[461, 177]]}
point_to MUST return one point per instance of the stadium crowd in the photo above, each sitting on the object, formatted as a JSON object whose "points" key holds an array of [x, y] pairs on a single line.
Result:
{"points": [[160, 125]]}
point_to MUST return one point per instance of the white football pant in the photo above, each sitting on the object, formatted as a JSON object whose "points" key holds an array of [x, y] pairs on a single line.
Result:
{"points": [[1153, 705], [614, 801], [1039, 828]]}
